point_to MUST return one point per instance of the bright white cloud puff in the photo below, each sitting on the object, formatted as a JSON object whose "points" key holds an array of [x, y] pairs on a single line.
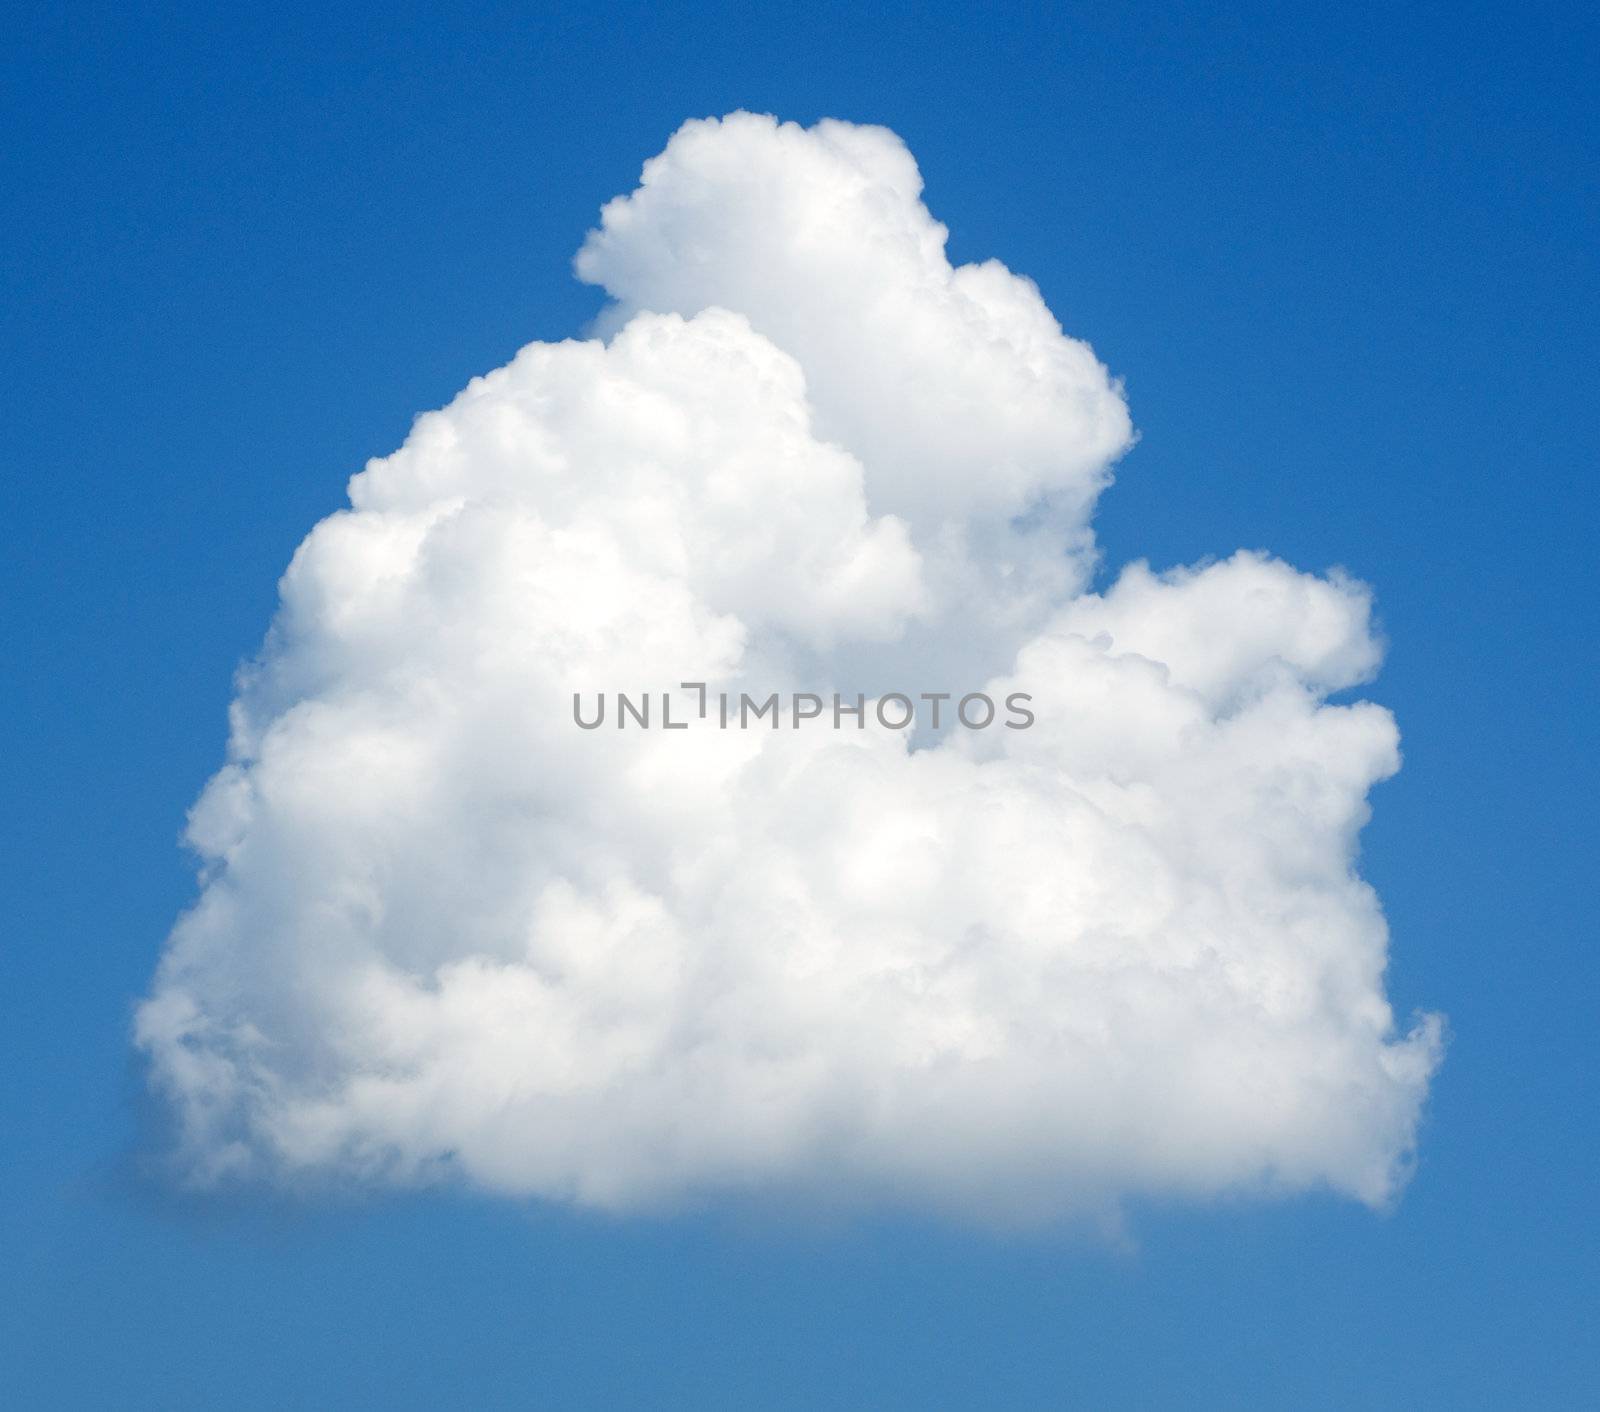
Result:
{"points": [[444, 934]]}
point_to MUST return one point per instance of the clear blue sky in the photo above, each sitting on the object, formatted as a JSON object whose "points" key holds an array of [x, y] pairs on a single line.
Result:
{"points": [[1345, 258]]}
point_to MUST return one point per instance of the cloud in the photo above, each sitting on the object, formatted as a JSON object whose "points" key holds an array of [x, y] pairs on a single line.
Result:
{"points": [[444, 934]]}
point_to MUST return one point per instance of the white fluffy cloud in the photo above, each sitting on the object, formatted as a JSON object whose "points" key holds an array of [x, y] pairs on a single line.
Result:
{"points": [[444, 933]]}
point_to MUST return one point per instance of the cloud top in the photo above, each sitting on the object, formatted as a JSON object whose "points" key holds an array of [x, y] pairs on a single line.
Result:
{"points": [[443, 934]]}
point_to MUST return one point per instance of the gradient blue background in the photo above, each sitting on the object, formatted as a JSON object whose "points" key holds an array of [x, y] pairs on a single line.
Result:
{"points": [[1345, 257]]}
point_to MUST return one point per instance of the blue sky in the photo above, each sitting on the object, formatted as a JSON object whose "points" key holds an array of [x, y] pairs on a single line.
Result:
{"points": [[1344, 259]]}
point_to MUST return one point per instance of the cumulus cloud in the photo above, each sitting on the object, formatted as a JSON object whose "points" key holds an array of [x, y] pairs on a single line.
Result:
{"points": [[445, 934]]}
